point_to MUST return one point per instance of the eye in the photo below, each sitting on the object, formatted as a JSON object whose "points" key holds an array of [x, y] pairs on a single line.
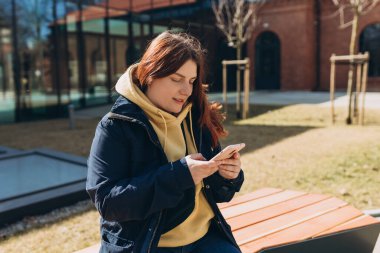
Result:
{"points": [[175, 80]]}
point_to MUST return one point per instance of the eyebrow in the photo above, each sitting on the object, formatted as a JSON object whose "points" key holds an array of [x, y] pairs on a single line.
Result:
{"points": [[184, 76]]}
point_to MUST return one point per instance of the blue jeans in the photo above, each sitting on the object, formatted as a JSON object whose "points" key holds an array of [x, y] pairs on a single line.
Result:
{"points": [[213, 241]]}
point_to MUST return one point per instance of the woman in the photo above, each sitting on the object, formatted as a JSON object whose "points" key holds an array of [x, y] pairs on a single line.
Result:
{"points": [[149, 173]]}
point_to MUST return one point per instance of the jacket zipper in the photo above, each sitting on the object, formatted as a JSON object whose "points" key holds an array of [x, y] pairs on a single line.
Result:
{"points": [[217, 212], [219, 222], [154, 232]]}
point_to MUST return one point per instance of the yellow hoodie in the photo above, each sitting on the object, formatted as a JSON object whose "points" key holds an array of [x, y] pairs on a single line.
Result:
{"points": [[169, 132]]}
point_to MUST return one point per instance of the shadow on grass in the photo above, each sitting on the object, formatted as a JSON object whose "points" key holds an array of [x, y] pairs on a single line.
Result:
{"points": [[259, 136], [254, 111]]}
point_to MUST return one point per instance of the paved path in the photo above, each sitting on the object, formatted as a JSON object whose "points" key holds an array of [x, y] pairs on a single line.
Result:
{"points": [[372, 100]]}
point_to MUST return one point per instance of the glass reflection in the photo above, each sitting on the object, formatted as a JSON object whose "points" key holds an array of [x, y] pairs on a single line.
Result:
{"points": [[73, 51]]}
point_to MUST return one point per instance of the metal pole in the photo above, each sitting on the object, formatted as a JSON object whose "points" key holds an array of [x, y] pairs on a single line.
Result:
{"points": [[170, 25], [246, 90], [238, 108], [56, 58], [318, 43], [81, 54], [2, 62], [151, 21], [16, 62], [349, 92], [131, 44], [108, 52], [359, 66], [364, 87], [71, 116], [332, 87], [67, 54]]}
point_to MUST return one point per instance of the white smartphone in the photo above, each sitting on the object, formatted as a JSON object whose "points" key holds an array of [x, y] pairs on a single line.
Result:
{"points": [[228, 151]]}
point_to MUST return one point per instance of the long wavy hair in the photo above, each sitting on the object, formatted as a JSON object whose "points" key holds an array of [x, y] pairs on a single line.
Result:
{"points": [[164, 56]]}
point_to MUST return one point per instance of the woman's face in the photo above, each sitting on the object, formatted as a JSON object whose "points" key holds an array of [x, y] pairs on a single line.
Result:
{"points": [[170, 93]]}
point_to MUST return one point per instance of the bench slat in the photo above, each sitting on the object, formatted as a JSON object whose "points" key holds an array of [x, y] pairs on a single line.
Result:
{"points": [[303, 231], [250, 196], [355, 223], [285, 221], [259, 203], [272, 211]]}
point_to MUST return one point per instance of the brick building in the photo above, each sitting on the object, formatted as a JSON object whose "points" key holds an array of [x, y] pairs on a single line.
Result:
{"points": [[292, 45]]}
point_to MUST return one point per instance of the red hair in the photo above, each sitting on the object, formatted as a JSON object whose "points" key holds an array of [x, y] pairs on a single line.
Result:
{"points": [[164, 56]]}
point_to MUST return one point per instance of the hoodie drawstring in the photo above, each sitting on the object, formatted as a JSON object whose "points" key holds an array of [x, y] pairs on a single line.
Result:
{"points": [[191, 128], [166, 128]]}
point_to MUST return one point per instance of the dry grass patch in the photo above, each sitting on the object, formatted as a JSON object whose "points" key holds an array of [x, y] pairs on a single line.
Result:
{"points": [[297, 147], [77, 232], [303, 115], [54, 134]]}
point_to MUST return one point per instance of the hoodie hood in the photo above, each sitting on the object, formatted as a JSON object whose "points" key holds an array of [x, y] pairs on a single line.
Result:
{"points": [[130, 90], [166, 125]]}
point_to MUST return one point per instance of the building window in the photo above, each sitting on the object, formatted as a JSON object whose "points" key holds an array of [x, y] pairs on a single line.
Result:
{"points": [[370, 41]]}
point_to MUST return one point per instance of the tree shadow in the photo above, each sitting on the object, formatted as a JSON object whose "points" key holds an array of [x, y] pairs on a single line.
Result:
{"points": [[257, 136], [254, 111]]}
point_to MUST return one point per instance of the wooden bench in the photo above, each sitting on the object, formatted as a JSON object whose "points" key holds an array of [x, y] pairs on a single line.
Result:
{"points": [[269, 217]]}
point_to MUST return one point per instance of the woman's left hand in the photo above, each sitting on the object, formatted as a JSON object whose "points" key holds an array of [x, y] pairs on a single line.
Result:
{"points": [[230, 168]]}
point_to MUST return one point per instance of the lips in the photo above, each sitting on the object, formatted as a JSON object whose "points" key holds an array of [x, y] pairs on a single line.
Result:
{"points": [[179, 101]]}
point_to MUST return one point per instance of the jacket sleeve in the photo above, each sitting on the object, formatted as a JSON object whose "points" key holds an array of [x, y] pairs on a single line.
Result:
{"points": [[118, 197], [223, 189]]}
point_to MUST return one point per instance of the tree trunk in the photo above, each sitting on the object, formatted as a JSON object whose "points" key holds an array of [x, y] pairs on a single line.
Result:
{"points": [[354, 31], [238, 57]]}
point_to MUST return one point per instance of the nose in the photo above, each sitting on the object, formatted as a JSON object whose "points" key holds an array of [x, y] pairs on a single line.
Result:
{"points": [[186, 89]]}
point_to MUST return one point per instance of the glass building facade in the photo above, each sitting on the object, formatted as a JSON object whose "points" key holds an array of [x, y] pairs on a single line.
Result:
{"points": [[59, 52]]}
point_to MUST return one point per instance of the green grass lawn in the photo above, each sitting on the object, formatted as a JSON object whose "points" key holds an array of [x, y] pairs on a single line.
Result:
{"points": [[292, 147]]}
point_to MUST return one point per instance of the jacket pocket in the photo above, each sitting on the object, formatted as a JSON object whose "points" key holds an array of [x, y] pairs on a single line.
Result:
{"points": [[115, 244]]}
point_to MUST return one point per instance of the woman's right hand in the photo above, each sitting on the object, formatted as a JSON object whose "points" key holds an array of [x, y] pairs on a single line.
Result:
{"points": [[200, 168]]}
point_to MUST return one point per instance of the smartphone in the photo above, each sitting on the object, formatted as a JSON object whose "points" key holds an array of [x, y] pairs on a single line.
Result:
{"points": [[228, 151]]}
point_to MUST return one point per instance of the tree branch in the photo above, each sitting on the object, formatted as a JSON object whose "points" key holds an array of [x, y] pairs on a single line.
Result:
{"points": [[232, 14]]}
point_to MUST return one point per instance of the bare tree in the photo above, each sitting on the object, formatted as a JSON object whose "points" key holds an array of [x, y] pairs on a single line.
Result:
{"points": [[357, 8], [237, 20]]}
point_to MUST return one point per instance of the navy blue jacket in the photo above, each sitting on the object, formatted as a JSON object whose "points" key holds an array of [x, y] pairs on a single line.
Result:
{"points": [[138, 193]]}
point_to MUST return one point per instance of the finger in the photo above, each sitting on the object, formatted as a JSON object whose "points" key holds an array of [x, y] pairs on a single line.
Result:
{"points": [[198, 156], [210, 170], [235, 162], [230, 168], [236, 155], [231, 171], [213, 165], [228, 174], [236, 171]]}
